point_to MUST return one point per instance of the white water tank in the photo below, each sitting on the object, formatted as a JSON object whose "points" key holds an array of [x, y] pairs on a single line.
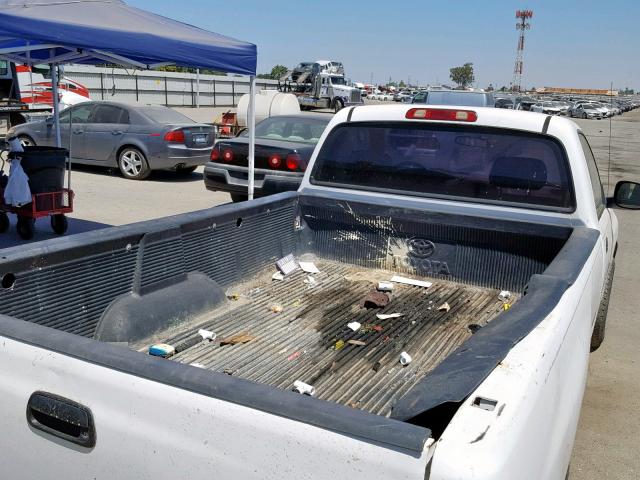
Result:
{"points": [[268, 104]]}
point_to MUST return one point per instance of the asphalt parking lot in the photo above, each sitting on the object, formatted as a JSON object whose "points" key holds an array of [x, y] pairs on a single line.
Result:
{"points": [[606, 445]]}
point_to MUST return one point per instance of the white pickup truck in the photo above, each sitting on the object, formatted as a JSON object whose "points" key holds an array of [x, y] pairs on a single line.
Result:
{"points": [[491, 227]]}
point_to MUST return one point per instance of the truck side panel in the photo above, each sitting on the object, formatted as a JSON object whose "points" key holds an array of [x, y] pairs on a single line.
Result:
{"points": [[536, 392], [146, 430]]}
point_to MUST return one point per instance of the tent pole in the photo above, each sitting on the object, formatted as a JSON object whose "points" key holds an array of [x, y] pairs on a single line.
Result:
{"points": [[56, 106], [197, 88], [252, 133]]}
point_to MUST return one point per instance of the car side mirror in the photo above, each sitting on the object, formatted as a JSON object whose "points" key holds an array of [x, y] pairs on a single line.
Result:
{"points": [[627, 195], [49, 121]]}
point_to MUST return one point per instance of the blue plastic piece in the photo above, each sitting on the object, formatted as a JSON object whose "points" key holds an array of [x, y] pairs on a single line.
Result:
{"points": [[161, 350]]}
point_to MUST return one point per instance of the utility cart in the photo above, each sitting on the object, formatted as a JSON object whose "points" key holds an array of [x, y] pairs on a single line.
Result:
{"points": [[46, 168]]}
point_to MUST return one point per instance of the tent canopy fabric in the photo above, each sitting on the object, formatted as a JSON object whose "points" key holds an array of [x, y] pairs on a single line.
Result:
{"points": [[110, 31]]}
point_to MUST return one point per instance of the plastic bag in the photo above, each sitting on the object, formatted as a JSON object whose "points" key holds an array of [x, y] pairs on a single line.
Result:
{"points": [[17, 191]]}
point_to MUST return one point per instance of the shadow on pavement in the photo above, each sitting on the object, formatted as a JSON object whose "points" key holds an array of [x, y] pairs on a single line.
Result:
{"points": [[156, 175], [43, 231]]}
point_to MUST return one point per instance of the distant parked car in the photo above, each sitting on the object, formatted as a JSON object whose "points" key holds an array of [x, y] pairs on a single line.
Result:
{"points": [[550, 108], [455, 97], [136, 139], [506, 102], [585, 110], [284, 145]]}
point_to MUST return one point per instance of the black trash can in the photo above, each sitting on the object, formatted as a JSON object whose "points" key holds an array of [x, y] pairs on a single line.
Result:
{"points": [[45, 168]]}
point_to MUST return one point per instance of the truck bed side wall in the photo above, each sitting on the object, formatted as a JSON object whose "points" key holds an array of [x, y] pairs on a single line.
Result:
{"points": [[69, 285]]}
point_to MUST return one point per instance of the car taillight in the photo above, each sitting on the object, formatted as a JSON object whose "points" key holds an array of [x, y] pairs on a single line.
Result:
{"points": [[442, 114], [227, 155], [293, 161], [275, 161], [174, 136], [215, 155]]}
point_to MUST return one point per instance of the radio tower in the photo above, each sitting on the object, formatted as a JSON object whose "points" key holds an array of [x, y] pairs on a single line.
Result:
{"points": [[523, 24]]}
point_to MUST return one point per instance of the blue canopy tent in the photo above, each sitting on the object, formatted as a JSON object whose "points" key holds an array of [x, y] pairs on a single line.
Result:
{"points": [[110, 31]]}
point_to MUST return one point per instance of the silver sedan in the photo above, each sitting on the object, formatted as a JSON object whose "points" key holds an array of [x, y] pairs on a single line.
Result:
{"points": [[136, 139]]}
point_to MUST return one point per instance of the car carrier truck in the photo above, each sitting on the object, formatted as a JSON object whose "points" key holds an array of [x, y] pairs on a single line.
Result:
{"points": [[321, 84]]}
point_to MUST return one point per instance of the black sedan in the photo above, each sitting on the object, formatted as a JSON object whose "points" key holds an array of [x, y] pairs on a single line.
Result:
{"points": [[284, 145]]}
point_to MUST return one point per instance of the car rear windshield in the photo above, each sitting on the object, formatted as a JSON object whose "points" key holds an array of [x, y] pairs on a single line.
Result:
{"points": [[164, 115], [459, 98], [460, 162], [291, 129]]}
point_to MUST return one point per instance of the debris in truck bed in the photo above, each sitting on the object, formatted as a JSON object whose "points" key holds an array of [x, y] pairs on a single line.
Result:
{"points": [[294, 355], [355, 326], [405, 359], [308, 340], [504, 295], [375, 299], [411, 281], [445, 307], [276, 308], [163, 350], [387, 316], [287, 264], [310, 281], [278, 276], [359, 343], [385, 286], [304, 388], [308, 267], [240, 338], [231, 295], [367, 327]]}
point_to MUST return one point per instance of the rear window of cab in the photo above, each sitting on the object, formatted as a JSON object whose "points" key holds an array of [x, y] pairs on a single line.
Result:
{"points": [[461, 162]]}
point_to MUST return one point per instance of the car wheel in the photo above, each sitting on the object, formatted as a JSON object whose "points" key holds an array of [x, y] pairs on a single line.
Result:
{"points": [[597, 337], [4, 222], [185, 170], [584, 115], [26, 141], [25, 227], [337, 105], [132, 164], [59, 224]]}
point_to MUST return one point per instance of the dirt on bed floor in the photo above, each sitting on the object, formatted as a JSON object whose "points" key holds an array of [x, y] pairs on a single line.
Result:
{"points": [[278, 332]]}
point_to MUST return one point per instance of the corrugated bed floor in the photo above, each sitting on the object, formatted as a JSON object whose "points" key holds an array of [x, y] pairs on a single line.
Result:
{"points": [[309, 339]]}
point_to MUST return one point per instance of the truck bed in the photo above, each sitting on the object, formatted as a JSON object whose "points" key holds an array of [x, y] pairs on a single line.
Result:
{"points": [[303, 341]]}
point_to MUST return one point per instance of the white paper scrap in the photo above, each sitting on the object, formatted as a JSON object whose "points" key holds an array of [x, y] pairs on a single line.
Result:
{"points": [[411, 281], [504, 295], [278, 276], [355, 326], [386, 316], [308, 267]]}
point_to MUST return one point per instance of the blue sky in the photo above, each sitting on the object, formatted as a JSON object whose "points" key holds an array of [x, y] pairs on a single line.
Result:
{"points": [[571, 43]]}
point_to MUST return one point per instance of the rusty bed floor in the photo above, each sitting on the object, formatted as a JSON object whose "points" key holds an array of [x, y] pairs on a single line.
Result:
{"points": [[309, 339]]}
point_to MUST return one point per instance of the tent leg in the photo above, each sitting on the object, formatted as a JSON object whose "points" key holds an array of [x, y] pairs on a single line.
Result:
{"points": [[252, 134], [56, 106], [197, 88]]}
